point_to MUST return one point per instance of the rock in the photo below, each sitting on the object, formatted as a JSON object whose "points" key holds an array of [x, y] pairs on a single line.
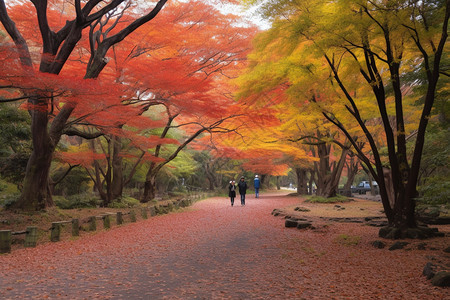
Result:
{"points": [[428, 270], [441, 279], [303, 224], [304, 209], [422, 246], [277, 212], [185, 203], [378, 223], [338, 207], [435, 215], [353, 220], [398, 245], [290, 223], [378, 244]]}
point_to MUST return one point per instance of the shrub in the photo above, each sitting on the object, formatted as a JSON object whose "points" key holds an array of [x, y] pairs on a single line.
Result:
{"points": [[8, 199], [76, 182], [124, 202], [76, 201], [3, 186], [435, 192]]}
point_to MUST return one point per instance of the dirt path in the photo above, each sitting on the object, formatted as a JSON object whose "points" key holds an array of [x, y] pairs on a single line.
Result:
{"points": [[215, 251]]}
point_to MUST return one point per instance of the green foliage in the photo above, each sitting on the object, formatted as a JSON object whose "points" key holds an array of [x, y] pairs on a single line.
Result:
{"points": [[171, 175], [435, 191], [15, 129], [179, 191], [3, 186], [15, 142], [336, 199], [76, 182], [13, 167], [348, 240], [124, 202], [434, 185], [76, 201], [7, 188], [7, 199]]}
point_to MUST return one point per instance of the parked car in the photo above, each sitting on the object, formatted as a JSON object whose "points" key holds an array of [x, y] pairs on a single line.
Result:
{"points": [[363, 187]]}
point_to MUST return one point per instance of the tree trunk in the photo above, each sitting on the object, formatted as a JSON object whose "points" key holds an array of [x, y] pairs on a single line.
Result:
{"points": [[328, 177], [117, 169], [210, 176], [302, 185], [263, 181], [149, 189], [311, 182], [352, 170], [278, 183], [36, 193]]}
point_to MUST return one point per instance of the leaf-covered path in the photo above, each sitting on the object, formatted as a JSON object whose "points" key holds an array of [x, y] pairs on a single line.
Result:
{"points": [[215, 251]]}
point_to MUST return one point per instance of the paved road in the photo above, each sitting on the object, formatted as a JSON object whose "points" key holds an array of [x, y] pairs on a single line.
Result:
{"points": [[209, 251]]}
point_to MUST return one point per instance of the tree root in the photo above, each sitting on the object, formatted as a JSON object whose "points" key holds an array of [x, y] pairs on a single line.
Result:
{"points": [[420, 232]]}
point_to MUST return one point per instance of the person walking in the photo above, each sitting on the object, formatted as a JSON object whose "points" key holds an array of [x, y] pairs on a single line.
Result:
{"points": [[242, 189], [232, 191], [256, 184]]}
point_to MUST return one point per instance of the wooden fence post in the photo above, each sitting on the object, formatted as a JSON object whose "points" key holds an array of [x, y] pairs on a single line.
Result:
{"points": [[55, 232], [106, 222], [92, 223], [144, 213], [30, 237], [133, 216], [119, 218], [75, 227], [152, 211], [5, 241]]}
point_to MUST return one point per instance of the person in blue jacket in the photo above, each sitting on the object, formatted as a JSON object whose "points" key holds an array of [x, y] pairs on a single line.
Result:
{"points": [[256, 184]]}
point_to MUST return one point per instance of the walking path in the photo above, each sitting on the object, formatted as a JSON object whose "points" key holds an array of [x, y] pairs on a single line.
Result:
{"points": [[215, 251]]}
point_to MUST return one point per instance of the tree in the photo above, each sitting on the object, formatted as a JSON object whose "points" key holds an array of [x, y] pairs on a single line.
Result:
{"points": [[304, 131], [48, 125], [369, 48], [189, 86], [186, 71]]}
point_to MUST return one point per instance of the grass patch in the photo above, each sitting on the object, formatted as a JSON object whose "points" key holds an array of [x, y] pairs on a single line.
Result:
{"points": [[336, 199], [348, 240]]}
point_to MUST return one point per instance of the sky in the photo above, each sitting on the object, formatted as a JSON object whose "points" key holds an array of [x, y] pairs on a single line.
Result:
{"points": [[249, 13]]}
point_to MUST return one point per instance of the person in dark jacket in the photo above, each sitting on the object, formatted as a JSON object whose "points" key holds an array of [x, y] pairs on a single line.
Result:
{"points": [[242, 189], [232, 191]]}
